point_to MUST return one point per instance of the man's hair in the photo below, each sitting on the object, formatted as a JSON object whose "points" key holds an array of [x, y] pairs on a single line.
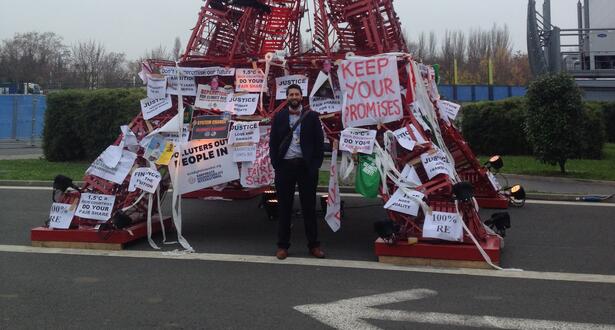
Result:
{"points": [[294, 86]]}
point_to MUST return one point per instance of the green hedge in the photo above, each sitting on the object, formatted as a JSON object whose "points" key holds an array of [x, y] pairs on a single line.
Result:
{"points": [[608, 112], [80, 124]]}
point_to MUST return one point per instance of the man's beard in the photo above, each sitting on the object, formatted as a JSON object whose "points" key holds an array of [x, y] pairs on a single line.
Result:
{"points": [[294, 104]]}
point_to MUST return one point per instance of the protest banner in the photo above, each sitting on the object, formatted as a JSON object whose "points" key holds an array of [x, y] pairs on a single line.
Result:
{"points": [[358, 140], [197, 72], [282, 84], [187, 85], [324, 105], [242, 104], [244, 132], [156, 87], [95, 206], [115, 174], [449, 109], [400, 202], [203, 164], [61, 215], [435, 164], [207, 98], [153, 107], [333, 217], [210, 127], [443, 225], [250, 80], [244, 154], [260, 173], [146, 179], [372, 91]]}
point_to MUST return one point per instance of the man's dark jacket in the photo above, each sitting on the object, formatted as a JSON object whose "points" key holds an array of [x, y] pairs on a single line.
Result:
{"points": [[311, 139]]}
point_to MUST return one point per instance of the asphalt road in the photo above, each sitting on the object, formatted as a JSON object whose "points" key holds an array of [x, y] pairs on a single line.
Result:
{"points": [[40, 290]]}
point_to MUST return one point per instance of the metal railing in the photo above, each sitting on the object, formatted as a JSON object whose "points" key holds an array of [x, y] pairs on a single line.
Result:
{"points": [[22, 117]]}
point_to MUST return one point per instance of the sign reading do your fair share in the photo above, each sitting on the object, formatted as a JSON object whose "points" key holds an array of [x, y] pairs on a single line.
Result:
{"points": [[371, 92]]}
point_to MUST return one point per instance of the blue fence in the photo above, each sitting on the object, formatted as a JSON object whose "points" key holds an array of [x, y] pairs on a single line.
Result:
{"points": [[473, 93], [22, 116]]}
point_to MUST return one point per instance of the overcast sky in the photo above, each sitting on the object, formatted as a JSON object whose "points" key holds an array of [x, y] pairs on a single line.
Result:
{"points": [[133, 26]]}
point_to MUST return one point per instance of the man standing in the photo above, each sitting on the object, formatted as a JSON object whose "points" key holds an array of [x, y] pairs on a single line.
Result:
{"points": [[296, 150]]}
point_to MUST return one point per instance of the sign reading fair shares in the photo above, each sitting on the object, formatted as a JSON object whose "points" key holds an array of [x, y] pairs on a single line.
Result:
{"points": [[358, 140], [243, 104], [61, 215], [153, 107], [443, 225], [324, 105], [95, 206], [250, 80], [372, 91], [259, 173], [282, 84], [203, 164], [146, 179]]}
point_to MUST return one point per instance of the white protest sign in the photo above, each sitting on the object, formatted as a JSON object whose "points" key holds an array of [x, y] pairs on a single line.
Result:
{"points": [[250, 80], [333, 216], [358, 140], [435, 164], [242, 104], [61, 215], [282, 84], [410, 175], [112, 155], [153, 107], [197, 72], [174, 136], [156, 87], [324, 105], [114, 174], [449, 109], [95, 206], [244, 132], [372, 91], [402, 203], [207, 98], [244, 154], [443, 225], [146, 179], [187, 85], [404, 138], [260, 173], [203, 164]]}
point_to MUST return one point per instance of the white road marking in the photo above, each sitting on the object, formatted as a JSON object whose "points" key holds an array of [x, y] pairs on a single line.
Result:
{"points": [[350, 314], [350, 264], [24, 188]]}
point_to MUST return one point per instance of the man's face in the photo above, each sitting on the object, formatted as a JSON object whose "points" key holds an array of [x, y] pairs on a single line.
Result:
{"points": [[294, 98]]}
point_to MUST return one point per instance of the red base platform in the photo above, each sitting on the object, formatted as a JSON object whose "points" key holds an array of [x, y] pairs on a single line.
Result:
{"points": [[500, 202], [94, 239], [228, 194]]}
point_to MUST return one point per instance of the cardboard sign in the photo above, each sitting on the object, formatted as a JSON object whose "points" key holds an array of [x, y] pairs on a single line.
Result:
{"points": [[449, 109], [210, 127], [260, 173], [244, 154], [443, 225], [116, 174], [250, 80], [435, 164], [358, 140], [244, 132], [333, 217], [197, 72], [402, 203], [156, 87], [282, 84], [95, 206], [153, 107], [146, 179], [324, 105], [203, 164], [186, 84], [61, 215], [207, 98], [371, 91], [409, 174], [243, 104]]}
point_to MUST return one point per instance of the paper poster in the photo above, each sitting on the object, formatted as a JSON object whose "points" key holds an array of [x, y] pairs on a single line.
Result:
{"points": [[210, 127], [167, 153], [207, 98], [187, 85], [322, 87], [112, 155], [155, 148], [402, 203], [243, 104], [324, 105], [250, 80], [116, 174], [449, 109], [156, 87], [358, 140], [333, 216], [404, 138], [197, 72], [410, 175], [244, 132], [244, 154], [282, 84], [61, 215], [203, 164], [95, 206], [443, 225], [174, 136], [372, 91], [260, 173], [435, 164], [146, 179]]}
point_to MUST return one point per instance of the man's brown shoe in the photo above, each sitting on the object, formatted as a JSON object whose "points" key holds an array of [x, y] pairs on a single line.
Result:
{"points": [[317, 252], [281, 254]]}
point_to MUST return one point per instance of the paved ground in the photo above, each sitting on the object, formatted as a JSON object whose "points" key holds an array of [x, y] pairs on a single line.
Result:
{"points": [[20, 149]]}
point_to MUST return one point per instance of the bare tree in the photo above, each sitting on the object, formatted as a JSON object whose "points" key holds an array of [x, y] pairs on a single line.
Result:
{"points": [[94, 67], [177, 51]]}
